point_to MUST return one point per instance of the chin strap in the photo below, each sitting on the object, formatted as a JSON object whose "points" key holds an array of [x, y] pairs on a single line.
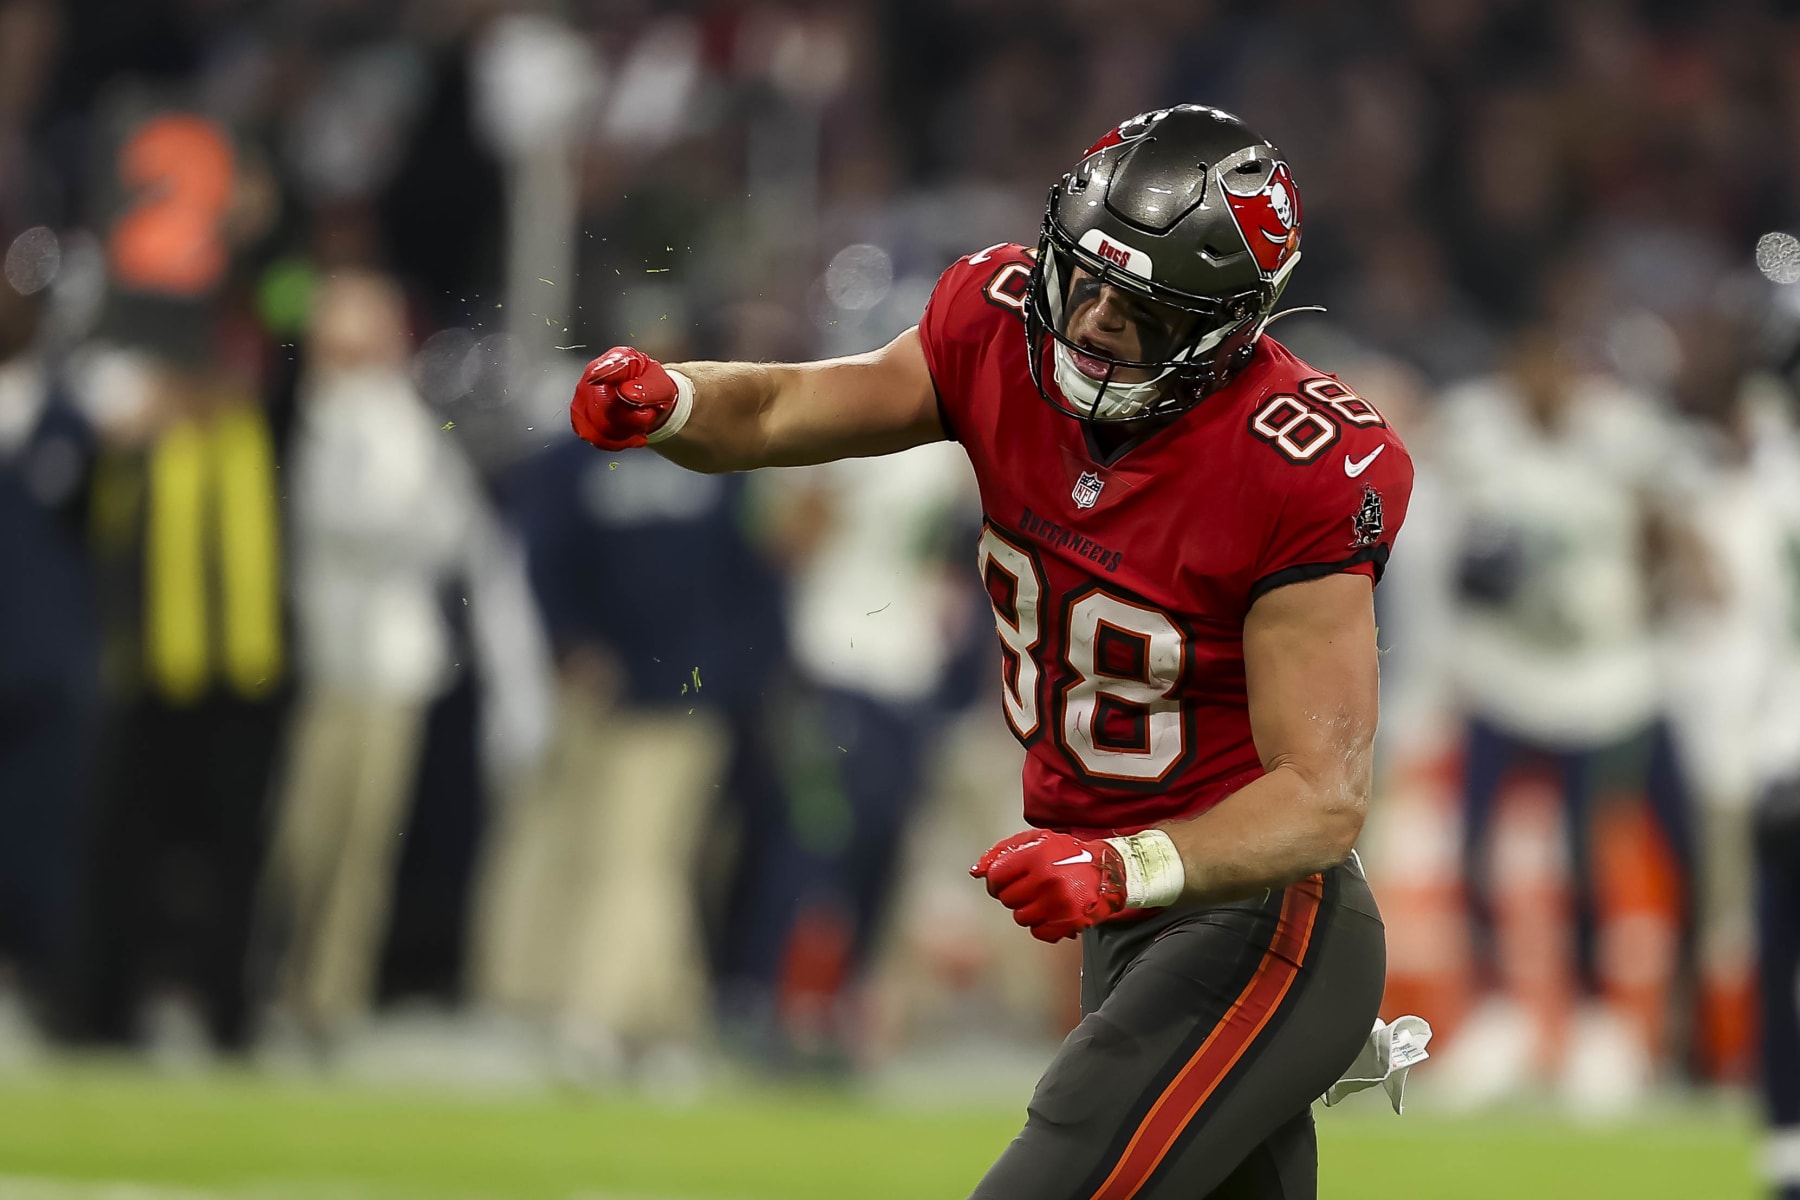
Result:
{"points": [[1288, 312]]}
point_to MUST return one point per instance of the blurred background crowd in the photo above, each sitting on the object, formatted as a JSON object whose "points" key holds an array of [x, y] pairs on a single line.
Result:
{"points": [[339, 683]]}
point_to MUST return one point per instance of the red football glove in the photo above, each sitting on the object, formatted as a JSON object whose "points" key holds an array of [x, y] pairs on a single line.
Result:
{"points": [[1056, 884], [623, 397]]}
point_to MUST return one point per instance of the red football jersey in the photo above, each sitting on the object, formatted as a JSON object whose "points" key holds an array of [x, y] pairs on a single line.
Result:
{"points": [[1120, 587]]}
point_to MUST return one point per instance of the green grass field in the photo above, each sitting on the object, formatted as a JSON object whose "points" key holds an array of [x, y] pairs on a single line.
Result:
{"points": [[81, 1134]]}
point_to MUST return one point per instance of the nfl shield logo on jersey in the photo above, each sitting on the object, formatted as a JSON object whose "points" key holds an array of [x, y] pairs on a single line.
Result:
{"points": [[1087, 490]]}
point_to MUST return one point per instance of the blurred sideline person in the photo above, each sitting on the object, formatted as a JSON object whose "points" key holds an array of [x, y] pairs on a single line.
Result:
{"points": [[385, 514], [188, 536], [869, 626], [1778, 931], [1742, 660], [1555, 475], [1754, 488], [1774, 464], [49, 673], [186, 521], [1726, 637], [1184, 526], [642, 572]]}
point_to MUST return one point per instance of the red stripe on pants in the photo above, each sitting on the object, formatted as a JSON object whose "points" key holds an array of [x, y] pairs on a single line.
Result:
{"points": [[1200, 1077]]}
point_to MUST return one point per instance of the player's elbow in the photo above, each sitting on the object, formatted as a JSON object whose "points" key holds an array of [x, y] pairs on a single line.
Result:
{"points": [[1345, 807], [1336, 804], [1340, 825]]}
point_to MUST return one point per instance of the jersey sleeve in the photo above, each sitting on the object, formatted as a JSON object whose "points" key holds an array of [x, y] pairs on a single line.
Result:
{"points": [[1340, 513], [972, 298]]}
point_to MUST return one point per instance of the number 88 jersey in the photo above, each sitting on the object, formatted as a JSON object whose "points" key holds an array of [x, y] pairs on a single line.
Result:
{"points": [[1120, 583]]}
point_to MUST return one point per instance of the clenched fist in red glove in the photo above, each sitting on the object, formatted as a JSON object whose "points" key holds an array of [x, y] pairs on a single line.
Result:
{"points": [[1056, 884], [626, 399]]}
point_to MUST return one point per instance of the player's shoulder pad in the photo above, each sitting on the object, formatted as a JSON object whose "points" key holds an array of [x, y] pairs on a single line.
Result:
{"points": [[1343, 476], [997, 276], [1311, 419], [975, 297], [977, 305]]}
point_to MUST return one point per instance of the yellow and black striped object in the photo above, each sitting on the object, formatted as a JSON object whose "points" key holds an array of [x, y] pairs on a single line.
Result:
{"points": [[203, 498]]}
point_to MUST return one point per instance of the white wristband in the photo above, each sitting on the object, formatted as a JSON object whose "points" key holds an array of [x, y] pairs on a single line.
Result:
{"points": [[678, 416], [1154, 876]]}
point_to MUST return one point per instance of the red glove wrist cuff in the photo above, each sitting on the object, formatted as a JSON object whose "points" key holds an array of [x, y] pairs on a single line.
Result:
{"points": [[678, 416]]}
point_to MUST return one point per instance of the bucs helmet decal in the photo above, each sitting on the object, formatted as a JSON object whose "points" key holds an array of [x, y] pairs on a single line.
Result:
{"points": [[1268, 216]]}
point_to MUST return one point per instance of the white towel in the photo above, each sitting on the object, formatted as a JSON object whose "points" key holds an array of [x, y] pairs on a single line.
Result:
{"points": [[1385, 1058]]}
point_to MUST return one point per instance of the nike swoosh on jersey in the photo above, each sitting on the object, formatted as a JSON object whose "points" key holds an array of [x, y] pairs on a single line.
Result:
{"points": [[1086, 856], [1356, 466]]}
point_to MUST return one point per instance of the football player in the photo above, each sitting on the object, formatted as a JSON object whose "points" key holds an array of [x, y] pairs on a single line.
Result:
{"points": [[1184, 523]]}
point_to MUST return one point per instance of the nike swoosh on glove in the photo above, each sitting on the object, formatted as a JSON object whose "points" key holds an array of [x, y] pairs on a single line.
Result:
{"points": [[622, 398], [1055, 883]]}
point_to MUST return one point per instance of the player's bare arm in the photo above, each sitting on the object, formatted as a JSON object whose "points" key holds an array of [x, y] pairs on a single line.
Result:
{"points": [[713, 416], [752, 415], [1310, 662]]}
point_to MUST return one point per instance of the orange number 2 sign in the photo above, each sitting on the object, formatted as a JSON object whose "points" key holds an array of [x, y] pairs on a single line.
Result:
{"points": [[171, 240]]}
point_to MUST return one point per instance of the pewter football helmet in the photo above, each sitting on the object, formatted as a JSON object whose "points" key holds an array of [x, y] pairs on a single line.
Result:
{"points": [[1161, 258]]}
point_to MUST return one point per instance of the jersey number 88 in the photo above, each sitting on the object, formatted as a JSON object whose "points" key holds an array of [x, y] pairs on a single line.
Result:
{"points": [[1115, 711]]}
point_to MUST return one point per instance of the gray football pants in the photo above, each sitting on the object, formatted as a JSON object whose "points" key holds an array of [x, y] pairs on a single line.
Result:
{"points": [[1208, 1034]]}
